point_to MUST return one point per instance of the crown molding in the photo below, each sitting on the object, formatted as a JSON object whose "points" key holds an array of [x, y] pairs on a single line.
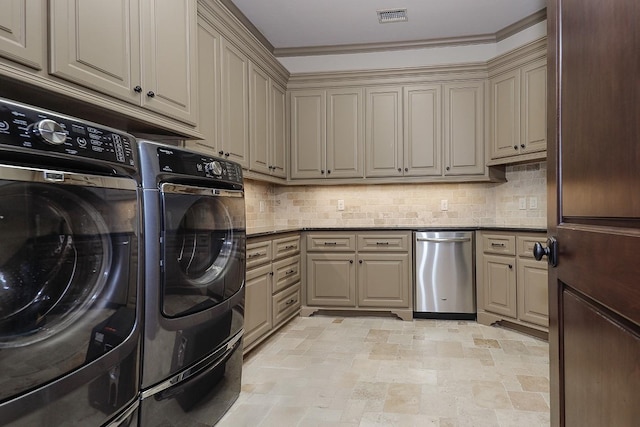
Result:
{"points": [[502, 34]]}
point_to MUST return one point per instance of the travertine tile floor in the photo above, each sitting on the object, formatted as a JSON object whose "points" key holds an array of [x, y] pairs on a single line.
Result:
{"points": [[381, 371]]}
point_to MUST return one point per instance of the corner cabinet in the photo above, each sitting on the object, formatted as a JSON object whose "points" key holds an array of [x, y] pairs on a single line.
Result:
{"points": [[149, 57], [518, 114], [511, 284], [272, 295], [364, 271], [327, 139]]}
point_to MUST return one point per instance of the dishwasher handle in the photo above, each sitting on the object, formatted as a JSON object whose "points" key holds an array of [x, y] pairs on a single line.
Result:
{"points": [[444, 239]]}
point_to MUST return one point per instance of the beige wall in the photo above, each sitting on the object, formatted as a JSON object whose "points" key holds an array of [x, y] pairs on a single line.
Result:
{"points": [[401, 204]]}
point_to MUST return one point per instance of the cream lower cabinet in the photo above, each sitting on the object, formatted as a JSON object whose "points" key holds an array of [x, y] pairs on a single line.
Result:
{"points": [[143, 52], [364, 271], [511, 284], [272, 286]]}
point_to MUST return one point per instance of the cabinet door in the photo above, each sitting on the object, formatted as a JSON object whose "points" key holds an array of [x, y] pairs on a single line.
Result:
{"points": [[422, 130], [331, 279], [500, 285], [208, 90], [464, 128], [534, 107], [345, 139], [533, 300], [308, 134], [22, 32], [82, 53], [383, 280], [505, 114], [258, 304], [235, 104], [259, 104], [169, 51], [383, 134], [278, 131]]}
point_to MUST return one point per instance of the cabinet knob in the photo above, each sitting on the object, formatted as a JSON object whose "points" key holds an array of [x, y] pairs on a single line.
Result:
{"points": [[510, 266], [515, 147], [522, 145], [447, 168], [150, 94], [220, 153], [399, 169], [137, 89], [328, 171], [226, 154], [406, 169], [271, 273], [360, 261], [322, 171], [350, 261]]}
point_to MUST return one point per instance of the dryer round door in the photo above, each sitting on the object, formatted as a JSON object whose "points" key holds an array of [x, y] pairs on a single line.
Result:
{"points": [[200, 248], [53, 261]]}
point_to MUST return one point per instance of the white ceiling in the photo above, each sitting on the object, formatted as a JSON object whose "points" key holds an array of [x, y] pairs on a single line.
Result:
{"points": [[309, 23]]}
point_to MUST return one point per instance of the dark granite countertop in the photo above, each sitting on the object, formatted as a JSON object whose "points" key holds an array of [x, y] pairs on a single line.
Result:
{"points": [[273, 232]]}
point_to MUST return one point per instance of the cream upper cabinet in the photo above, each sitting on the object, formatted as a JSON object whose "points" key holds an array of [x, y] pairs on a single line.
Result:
{"points": [[345, 139], [234, 144], [308, 133], [259, 105], [278, 131], [383, 136], [519, 113], [22, 32], [422, 130], [149, 57], [208, 90], [464, 128], [267, 124], [326, 133]]}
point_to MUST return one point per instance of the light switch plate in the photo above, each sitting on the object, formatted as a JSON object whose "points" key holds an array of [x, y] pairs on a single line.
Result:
{"points": [[444, 205], [533, 202], [340, 205], [522, 203]]}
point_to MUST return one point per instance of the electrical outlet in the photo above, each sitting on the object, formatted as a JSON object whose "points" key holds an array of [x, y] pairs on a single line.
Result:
{"points": [[262, 205], [340, 205], [522, 203], [533, 202], [444, 205]]}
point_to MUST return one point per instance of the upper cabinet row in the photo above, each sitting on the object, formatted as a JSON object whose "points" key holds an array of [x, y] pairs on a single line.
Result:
{"points": [[140, 52], [389, 131]]}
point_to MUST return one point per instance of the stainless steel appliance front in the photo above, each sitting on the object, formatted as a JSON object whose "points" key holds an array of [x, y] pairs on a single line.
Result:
{"points": [[444, 274]]}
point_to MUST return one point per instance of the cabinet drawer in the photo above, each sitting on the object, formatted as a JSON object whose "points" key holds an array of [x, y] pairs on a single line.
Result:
{"points": [[286, 246], [499, 244], [258, 253], [526, 243], [285, 273], [382, 242], [331, 242], [286, 303]]}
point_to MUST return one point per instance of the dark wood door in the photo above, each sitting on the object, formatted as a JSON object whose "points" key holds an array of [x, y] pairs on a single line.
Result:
{"points": [[594, 210]]}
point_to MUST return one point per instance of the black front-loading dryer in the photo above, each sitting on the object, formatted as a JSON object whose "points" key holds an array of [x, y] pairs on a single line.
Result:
{"points": [[69, 277]]}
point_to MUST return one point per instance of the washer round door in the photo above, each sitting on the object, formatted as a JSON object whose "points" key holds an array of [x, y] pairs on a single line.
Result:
{"points": [[53, 261], [201, 249]]}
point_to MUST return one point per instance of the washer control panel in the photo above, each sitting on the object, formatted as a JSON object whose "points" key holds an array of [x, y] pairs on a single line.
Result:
{"points": [[30, 128], [173, 160]]}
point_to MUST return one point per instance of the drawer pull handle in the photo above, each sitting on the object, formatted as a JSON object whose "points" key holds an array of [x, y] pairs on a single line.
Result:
{"points": [[255, 255], [382, 243], [289, 272], [291, 301], [497, 245], [290, 247], [330, 243]]}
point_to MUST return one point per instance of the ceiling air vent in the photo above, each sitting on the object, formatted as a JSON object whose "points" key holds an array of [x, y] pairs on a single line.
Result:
{"points": [[392, 15]]}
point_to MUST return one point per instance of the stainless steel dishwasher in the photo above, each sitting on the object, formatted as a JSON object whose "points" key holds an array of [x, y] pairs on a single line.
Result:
{"points": [[445, 279]]}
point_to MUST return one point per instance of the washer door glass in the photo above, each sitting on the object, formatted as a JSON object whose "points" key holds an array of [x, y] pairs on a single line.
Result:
{"points": [[53, 260], [200, 248]]}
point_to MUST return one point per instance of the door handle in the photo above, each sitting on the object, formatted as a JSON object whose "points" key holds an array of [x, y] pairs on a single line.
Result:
{"points": [[551, 251]]}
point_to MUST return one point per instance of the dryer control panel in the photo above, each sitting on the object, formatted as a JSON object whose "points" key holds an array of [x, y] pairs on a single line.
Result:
{"points": [[29, 128], [198, 165]]}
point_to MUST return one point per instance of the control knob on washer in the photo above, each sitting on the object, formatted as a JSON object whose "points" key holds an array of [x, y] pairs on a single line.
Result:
{"points": [[49, 131], [213, 167]]}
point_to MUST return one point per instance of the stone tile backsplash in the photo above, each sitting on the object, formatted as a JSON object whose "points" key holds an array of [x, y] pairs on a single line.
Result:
{"points": [[483, 204]]}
